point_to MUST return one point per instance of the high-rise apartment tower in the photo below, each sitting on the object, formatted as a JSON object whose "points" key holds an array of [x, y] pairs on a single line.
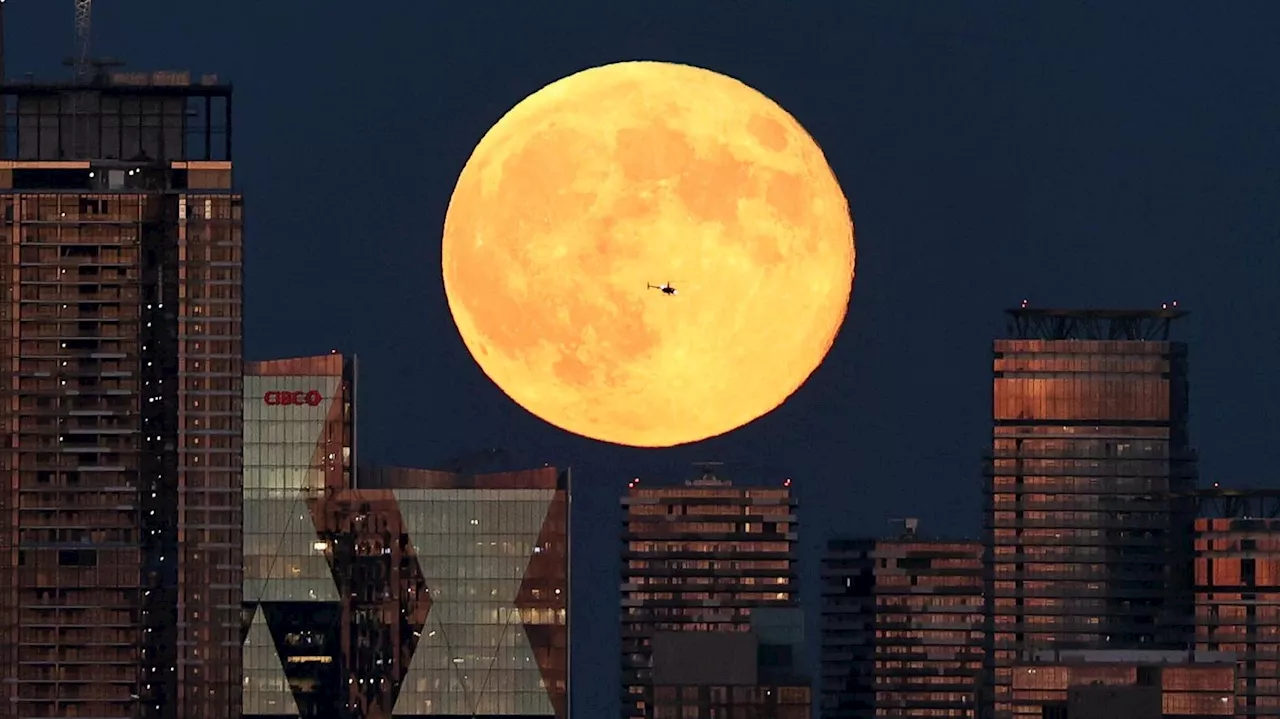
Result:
{"points": [[120, 336], [1237, 586], [711, 624], [1088, 536], [902, 623]]}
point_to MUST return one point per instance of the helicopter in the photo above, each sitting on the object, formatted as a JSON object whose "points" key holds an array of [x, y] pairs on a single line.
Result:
{"points": [[666, 289]]}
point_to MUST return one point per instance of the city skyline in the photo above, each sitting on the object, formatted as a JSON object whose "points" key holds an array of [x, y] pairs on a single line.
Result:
{"points": [[986, 157]]}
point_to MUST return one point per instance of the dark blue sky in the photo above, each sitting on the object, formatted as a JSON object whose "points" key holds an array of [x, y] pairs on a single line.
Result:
{"points": [[1073, 153]]}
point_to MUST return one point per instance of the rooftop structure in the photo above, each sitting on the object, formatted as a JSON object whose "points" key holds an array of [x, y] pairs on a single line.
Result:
{"points": [[1063, 324]]}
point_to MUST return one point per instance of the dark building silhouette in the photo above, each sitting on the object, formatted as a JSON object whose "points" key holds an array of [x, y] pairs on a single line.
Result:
{"points": [[1087, 529], [392, 591], [848, 631], [120, 559], [902, 622], [711, 624], [1237, 574]]}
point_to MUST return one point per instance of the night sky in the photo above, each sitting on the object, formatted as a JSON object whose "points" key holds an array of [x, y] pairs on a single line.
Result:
{"points": [[1071, 153]]}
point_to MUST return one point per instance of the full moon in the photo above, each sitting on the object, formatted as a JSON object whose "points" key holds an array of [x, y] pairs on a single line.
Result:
{"points": [[594, 193]]}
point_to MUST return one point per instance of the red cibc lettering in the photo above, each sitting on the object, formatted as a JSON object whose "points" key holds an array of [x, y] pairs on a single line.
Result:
{"points": [[285, 398]]}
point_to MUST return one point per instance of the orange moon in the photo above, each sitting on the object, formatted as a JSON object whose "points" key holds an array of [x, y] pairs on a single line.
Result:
{"points": [[637, 174]]}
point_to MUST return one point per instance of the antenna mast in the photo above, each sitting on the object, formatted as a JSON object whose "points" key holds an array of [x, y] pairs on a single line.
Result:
{"points": [[84, 17]]}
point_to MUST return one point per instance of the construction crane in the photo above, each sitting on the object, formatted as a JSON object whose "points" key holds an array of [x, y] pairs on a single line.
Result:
{"points": [[84, 24], [80, 73]]}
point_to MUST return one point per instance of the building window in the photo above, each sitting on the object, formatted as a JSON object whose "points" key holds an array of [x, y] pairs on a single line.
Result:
{"points": [[78, 558]]}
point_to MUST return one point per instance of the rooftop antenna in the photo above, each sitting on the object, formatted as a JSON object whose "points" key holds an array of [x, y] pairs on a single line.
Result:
{"points": [[708, 476]]}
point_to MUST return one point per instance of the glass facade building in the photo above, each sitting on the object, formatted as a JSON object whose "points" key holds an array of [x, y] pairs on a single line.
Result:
{"points": [[902, 628], [299, 432], [493, 554], [702, 558], [392, 592], [1237, 571], [120, 565], [1087, 529]]}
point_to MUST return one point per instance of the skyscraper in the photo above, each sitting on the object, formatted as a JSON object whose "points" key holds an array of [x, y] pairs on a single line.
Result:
{"points": [[299, 447], [902, 622], [1238, 590], [711, 624], [1087, 539], [121, 340]]}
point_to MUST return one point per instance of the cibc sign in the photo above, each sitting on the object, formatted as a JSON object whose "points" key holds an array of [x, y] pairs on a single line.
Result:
{"points": [[284, 398]]}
